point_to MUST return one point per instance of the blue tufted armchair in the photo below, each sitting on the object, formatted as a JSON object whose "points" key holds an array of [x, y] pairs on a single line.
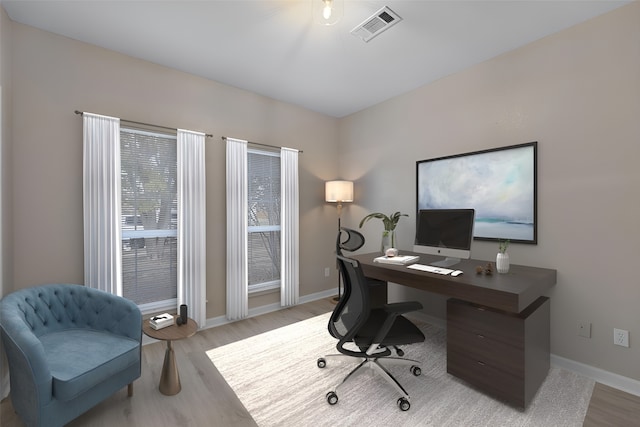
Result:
{"points": [[69, 347]]}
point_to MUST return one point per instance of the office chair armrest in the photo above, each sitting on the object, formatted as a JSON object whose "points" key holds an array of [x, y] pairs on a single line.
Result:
{"points": [[402, 307]]}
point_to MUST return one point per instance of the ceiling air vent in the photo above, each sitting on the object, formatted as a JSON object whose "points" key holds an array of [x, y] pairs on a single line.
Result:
{"points": [[380, 22]]}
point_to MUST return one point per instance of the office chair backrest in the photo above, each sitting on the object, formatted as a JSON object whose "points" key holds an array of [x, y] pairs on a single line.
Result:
{"points": [[348, 240], [353, 310], [353, 240]]}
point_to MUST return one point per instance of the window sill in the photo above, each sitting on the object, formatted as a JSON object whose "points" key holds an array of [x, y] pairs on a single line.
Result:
{"points": [[159, 307], [265, 288]]}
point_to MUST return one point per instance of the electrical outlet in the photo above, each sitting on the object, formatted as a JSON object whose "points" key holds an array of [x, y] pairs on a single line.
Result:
{"points": [[621, 337], [327, 272], [584, 329]]}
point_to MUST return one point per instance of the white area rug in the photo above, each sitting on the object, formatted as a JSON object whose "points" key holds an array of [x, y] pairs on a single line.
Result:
{"points": [[276, 377]]}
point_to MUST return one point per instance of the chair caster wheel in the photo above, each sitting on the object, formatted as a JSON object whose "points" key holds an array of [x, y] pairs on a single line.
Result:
{"points": [[322, 363], [404, 404], [332, 398], [415, 370]]}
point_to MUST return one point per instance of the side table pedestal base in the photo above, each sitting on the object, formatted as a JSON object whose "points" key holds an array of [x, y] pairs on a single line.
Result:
{"points": [[170, 379]]}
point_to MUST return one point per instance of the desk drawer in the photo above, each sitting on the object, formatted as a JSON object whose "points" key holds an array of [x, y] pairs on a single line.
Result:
{"points": [[494, 381], [485, 350], [489, 323], [504, 354]]}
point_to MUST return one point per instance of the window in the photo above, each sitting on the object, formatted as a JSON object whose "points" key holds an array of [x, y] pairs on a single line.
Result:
{"points": [[264, 220], [149, 218]]}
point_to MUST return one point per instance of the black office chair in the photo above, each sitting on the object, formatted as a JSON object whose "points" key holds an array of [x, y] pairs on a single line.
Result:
{"points": [[376, 332]]}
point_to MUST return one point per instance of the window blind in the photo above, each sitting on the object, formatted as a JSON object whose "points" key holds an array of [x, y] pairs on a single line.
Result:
{"points": [[264, 219], [149, 217]]}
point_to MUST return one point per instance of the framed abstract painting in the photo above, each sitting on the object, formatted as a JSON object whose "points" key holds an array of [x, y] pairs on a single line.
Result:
{"points": [[499, 183]]}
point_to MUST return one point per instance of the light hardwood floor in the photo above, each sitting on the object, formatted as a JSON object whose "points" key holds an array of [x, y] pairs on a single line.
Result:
{"points": [[612, 407], [207, 400]]}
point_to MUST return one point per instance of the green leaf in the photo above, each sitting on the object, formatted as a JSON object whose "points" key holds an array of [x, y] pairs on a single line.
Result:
{"points": [[389, 222], [372, 215]]}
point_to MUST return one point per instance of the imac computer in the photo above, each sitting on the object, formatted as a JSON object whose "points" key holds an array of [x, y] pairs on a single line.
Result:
{"points": [[446, 232]]}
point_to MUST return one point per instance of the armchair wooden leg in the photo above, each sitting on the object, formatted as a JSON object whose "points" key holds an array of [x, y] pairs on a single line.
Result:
{"points": [[130, 390]]}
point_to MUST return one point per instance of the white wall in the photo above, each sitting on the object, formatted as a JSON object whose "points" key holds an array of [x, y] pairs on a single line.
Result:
{"points": [[54, 75], [578, 94]]}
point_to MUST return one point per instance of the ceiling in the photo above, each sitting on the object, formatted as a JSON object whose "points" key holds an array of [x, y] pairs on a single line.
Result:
{"points": [[274, 48]]}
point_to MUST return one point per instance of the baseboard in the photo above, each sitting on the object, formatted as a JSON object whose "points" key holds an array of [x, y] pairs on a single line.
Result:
{"points": [[318, 295], [620, 382]]}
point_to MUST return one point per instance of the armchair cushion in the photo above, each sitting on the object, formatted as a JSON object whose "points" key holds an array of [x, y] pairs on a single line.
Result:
{"points": [[80, 359]]}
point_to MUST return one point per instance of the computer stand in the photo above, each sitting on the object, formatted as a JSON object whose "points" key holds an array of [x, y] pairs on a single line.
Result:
{"points": [[446, 263]]}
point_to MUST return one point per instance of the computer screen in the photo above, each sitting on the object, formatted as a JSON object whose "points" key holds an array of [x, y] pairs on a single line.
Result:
{"points": [[446, 232]]}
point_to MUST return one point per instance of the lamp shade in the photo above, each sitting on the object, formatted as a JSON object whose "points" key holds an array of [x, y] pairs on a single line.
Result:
{"points": [[338, 191]]}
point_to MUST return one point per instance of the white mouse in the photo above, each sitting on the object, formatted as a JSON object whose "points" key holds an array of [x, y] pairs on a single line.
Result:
{"points": [[456, 273]]}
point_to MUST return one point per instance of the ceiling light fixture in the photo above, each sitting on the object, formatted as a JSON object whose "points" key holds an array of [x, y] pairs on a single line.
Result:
{"points": [[327, 12]]}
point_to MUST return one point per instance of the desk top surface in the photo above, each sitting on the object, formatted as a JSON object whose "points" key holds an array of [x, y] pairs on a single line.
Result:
{"points": [[510, 292]]}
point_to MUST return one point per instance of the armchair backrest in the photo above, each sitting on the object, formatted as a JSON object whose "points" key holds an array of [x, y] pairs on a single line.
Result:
{"points": [[51, 308]]}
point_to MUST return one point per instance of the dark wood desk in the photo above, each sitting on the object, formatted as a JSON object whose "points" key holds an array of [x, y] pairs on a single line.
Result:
{"points": [[497, 325], [511, 292]]}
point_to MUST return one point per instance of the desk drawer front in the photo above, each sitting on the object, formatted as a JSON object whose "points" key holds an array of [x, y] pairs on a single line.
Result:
{"points": [[492, 380], [486, 351], [491, 324]]}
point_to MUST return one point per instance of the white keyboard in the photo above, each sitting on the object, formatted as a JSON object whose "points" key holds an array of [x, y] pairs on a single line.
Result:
{"points": [[430, 269]]}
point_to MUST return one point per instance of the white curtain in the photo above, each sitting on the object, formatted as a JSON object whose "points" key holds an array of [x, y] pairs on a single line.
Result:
{"points": [[237, 276], [290, 280], [101, 203], [192, 271]]}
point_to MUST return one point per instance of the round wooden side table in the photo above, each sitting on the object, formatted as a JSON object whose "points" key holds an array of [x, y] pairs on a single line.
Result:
{"points": [[170, 379]]}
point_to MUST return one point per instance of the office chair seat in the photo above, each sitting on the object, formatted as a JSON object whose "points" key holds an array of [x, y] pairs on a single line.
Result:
{"points": [[402, 332], [376, 332]]}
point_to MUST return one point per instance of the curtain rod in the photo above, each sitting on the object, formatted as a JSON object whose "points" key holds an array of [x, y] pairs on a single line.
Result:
{"points": [[147, 124], [224, 138]]}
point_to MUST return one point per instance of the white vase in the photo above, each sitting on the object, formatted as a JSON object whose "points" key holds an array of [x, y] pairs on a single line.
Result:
{"points": [[388, 240], [502, 262]]}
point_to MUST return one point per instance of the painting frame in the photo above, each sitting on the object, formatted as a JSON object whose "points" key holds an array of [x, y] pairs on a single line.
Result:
{"points": [[499, 183]]}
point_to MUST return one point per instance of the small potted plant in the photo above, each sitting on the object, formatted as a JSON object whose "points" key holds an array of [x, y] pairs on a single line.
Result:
{"points": [[389, 233], [502, 259]]}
